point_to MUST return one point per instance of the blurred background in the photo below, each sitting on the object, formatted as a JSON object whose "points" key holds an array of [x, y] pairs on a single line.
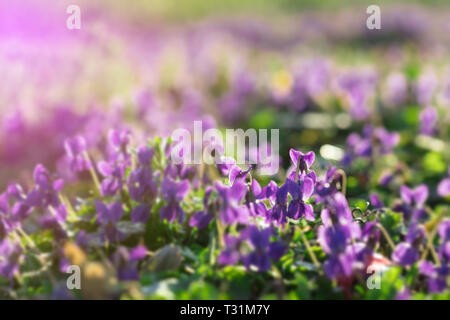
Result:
{"points": [[310, 68]]}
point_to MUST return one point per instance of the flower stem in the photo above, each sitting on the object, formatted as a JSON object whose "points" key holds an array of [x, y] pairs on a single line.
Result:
{"points": [[92, 171], [386, 235], [38, 254], [310, 251], [431, 247]]}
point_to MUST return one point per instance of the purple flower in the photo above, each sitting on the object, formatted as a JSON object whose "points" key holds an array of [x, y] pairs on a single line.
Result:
{"points": [[126, 262], [396, 89], [54, 220], [405, 254], [415, 235], [232, 253], [336, 236], [405, 294], [119, 141], [338, 212], [425, 88], [376, 141], [329, 185], [339, 266], [201, 219], [108, 217], [357, 86], [278, 213], [333, 239], [236, 173], [225, 164], [268, 192], [375, 201], [230, 209], [142, 187], [145, 156], [46, 191], [444, 233], [263, 250], [386, 178], [10, 218], [371, 234], [75, 148], [428, 119], [173, 192], [386, 140], [443, 188], [306, 160], [413, 203], [113, 174], [300, 193], [437, 276], [11, 254], [444, 230]]}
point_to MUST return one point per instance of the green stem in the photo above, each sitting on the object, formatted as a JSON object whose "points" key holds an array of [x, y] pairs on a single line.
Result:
{"points": [[92, 171], [386, 236], [38, 254], [310, 251]]}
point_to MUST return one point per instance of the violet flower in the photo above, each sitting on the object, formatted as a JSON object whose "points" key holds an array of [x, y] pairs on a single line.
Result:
{"points": [[230, 209], [373, 141], [126, 262], [278, 213], [425, 88], [231, 255], [75, 148], [428, 119], [443, 188], [113, 177], [336, 237], [201, 219], [11, 256], [407, 253], [306, 161], [173, 192], [10, 218], [328, 186], [108, 217], [396, 89], [437, 276], [118, 141], [375, 201], [55, 220], [358, 86], [263, 250], [255, 205], [413, 203], [225, 164], [300, 191], [236, 173], [46, 191], [141, 186]]}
